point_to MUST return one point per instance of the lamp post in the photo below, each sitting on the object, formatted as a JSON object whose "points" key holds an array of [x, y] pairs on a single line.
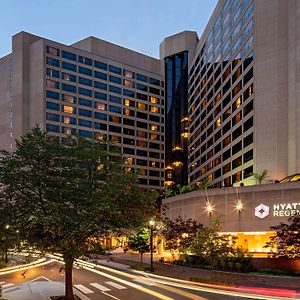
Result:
{"points": [[151, 225]]}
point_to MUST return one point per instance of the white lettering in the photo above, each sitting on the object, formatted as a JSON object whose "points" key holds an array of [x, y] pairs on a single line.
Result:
{"points": [[288, 206], [276, 206], [281, 213], [283, 205], [276, 213]]}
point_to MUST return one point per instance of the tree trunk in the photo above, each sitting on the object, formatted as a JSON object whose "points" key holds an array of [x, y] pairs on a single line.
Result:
{"points": [[141, 258], [68, 277], [6, 257]]}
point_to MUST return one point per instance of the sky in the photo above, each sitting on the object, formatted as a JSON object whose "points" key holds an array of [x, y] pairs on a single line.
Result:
{"points": [[139, 25]]}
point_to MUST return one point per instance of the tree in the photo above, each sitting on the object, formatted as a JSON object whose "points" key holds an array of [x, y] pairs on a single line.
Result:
{"points": [[140, 242], [260, 177], [168, 193], [208, 243], [65, 194], [286, 241], [204, 185], [178, 234], [183, 188]]}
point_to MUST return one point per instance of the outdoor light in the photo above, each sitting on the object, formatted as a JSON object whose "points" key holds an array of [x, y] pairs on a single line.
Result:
{"points": [[209, 208], [151, 225], [239, 206], [7, 226]]}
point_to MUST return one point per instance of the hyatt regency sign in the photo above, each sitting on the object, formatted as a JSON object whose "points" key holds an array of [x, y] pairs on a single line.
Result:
{"points": [[277, 210]]}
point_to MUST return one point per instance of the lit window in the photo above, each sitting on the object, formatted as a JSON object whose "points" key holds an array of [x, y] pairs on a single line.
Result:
{"points": [[100, 106], [153, 127], [154, 136], [128, 83], [126, 102], [218, 122], [142, 106], [50, 83], [153, 99], [142, 144], [129, 170], [115, 138], [128, 74], [154, 109], [129, 161], [100, 136], [69, 109], [52, 51], [67, 131], [142, 134], [68, 98], [67, 120], [143, 172]]}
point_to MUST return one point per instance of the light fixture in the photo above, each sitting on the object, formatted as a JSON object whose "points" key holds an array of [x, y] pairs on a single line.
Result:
{"points": [[239, 205], [209, 208]]}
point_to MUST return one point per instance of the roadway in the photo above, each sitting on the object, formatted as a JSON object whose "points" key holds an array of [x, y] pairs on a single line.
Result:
{"points": [[103, 283]]}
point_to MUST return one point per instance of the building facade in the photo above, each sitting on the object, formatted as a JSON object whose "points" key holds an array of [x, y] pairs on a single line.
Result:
{"points": [[220, 106], [91, 88]]}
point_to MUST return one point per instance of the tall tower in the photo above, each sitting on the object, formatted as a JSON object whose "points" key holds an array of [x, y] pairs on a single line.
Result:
{"points": [[175, 52]]}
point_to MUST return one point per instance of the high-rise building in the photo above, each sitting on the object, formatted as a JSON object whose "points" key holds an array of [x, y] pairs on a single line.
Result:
{"points": [[230, 105], [89, 88]]}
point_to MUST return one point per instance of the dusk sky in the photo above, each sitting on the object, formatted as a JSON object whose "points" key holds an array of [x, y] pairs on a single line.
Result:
{"points": [[136, 24]]}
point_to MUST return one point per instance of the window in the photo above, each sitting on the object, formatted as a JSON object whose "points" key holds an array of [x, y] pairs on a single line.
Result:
{"points": [[100, 116], [69, 66], [153, 99], [85, 60], [52, 95], [141, 96], [52, 62], [69, 109], [52, 106], [69, 77], [114, 119], [52, 117], [84, 112], [142, 106], [128, 93], [69, 55], [100, 65], [226, 168], [237, 147], [142, 134], [69, 120], [100, 85], [85, 71], [115, 79], [85, 81], [141, 77], [248, 124], [99, 95], [86, 134], [237, 162], [154, 81], [128, 102], [85, 123], [154, 127], [115, 109], [68, 88], [68, 98], [100, 126], [142, 87], [128, 83], [52, 128], [115, 99], [154, 91], [115, 138], [85, 102], [52, 84], [115, 69], [100, 106], [85, 92], [248, 140], [115, 128], [128, 112], [115, 89], [248, 172], [141, 124], [128, 131], [248, 156], [52, 73], [141, 115], [128, 74], [52, 50], [100, 75]]}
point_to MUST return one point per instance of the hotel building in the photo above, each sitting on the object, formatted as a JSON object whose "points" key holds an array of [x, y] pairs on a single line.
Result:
{"points": [[222, 106]]}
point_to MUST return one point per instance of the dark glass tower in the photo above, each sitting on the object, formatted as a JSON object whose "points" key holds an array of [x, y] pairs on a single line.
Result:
{"points": [[177, 122]]}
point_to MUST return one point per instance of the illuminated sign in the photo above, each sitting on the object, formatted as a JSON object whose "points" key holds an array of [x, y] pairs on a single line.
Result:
{"points": [[277, 210]]}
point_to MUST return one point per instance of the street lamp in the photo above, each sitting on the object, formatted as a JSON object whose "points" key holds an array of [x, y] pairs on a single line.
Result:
{"points": [[151, 225]]}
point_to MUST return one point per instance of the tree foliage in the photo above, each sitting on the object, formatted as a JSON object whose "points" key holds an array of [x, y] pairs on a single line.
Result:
{"points": [[260, 177], [208, 243], [64, 194], [204, 184], [179, 234], [140, 242], [286, 241]]}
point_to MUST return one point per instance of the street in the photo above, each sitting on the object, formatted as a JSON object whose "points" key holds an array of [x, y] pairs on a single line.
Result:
{"points": [[100, 282]]}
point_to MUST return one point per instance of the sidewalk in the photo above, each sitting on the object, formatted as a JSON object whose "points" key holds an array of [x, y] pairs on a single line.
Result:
{"points": [[186, 273]]}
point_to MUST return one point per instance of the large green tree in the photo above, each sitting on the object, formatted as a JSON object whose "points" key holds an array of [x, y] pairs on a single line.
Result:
{"points": [[140, 242], [286, 241], [64, 194]]}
